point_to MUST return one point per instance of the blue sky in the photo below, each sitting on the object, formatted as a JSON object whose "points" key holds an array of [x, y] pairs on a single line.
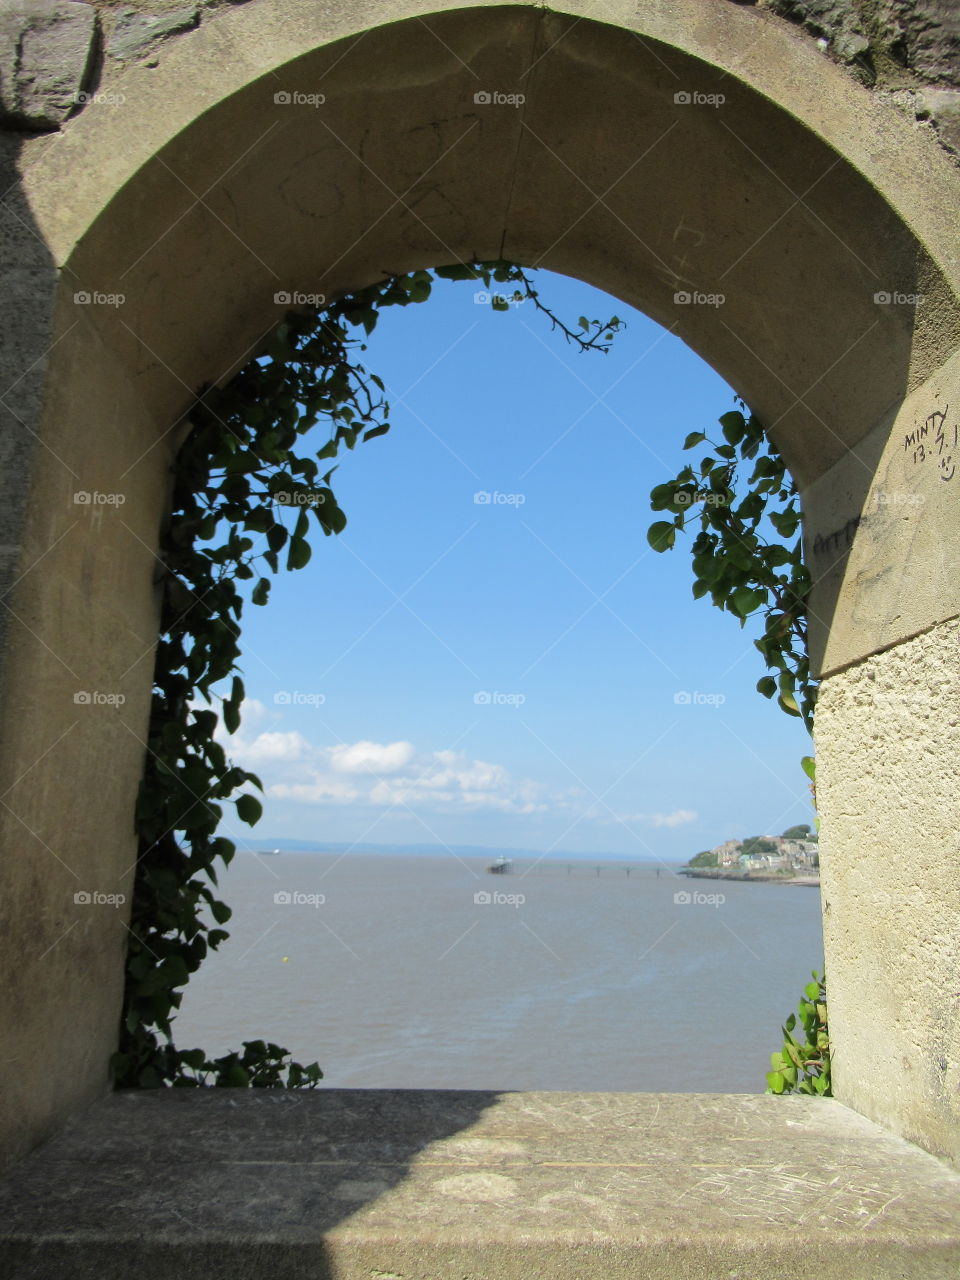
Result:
{"points": [[506, 672]]}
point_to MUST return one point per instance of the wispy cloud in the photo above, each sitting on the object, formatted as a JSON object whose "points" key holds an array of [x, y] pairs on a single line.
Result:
{"points": [[384, 775], [678, 818]]}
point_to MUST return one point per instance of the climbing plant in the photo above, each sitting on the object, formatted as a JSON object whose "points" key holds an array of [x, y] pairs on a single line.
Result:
{"points": [[747, 553], [248, 489], [803, 1066], [748, 558]]}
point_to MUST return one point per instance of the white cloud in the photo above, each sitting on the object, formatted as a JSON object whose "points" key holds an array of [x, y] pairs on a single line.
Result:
{"points": [[276, 746], [448, 780], [679, 818], [371, 757], [395, 775], [319, 791]]}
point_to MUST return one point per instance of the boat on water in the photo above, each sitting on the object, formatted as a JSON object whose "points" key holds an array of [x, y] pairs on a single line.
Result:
{"points": [[501, 867]]}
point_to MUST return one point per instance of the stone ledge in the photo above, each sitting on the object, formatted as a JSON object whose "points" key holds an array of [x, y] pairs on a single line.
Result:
{"points": [[447, 1185]]}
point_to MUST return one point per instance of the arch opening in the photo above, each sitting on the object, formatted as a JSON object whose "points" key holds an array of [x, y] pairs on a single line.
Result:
{"points": [[431, 680], [223, 187]]}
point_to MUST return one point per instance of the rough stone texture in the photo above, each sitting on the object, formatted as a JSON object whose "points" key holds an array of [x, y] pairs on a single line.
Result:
{"points": [[943, 107], [46, 47], [135, 33], [427, 1185], [918, 37], [26, 320], [928, 32], [838, 22], [886, 43], [890, 853], [63, 958]]}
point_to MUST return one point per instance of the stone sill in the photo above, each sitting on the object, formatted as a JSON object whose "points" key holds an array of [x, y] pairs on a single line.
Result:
{"points": [[374, 1184]]}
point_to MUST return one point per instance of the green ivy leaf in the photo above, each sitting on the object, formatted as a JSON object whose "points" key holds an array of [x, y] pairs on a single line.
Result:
{"points": [[456, 271], [333, 519], [734, 427], [259, 520], [785, 522], [746, 599], [249, 809], [299, 554], [234, 1077], [231, 716], [276, 537], [661, 497], [662, 535]]}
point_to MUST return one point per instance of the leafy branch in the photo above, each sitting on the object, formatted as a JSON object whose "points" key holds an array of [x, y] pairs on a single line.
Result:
{"points": [[803, 1066], [750, 574], [735, 562]]}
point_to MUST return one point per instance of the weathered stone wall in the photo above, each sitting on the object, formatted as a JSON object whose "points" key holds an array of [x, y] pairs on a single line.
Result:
{"points": [[885, 41], [906, 51], [811, 204], [888, 738]]}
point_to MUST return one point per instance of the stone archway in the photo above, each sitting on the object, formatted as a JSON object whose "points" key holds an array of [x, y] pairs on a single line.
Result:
{"points": [[689, 151]]}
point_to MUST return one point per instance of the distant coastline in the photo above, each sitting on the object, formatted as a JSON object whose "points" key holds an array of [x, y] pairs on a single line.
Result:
{"points": [[790, 858], [768, 877]]}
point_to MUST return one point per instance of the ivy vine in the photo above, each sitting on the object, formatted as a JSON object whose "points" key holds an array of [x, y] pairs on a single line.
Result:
{"points": [[245, 490], [738, 491], [803, 1066], [747, 554]]}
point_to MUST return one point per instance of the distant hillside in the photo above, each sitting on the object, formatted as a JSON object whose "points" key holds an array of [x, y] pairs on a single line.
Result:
{"points": [[798, 846]]}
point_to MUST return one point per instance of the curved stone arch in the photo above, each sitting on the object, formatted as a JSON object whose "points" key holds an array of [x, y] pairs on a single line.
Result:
{"points": [[106, 196], [234, 49], [188, 191]]}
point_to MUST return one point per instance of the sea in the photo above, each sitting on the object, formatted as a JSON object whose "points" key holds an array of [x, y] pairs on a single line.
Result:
{"points": [[398, 971]]}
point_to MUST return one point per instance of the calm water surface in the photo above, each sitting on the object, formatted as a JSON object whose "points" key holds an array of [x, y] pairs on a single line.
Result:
{"points": [[389, 973]]}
